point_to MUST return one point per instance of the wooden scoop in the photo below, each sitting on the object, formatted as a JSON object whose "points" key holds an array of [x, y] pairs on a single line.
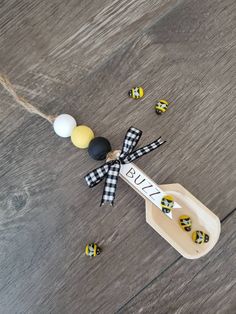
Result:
{"points": [[167, 225]]}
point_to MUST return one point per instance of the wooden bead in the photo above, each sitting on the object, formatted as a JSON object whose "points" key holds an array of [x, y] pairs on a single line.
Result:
{"points": [[92, 249], [64, 124], [185, 222], [99, 147], [81, 136], [136, 92], [200, 237]]}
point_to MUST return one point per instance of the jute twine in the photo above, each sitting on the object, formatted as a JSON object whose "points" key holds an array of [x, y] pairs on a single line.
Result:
{"points": [[113, 155], [22, 101]]}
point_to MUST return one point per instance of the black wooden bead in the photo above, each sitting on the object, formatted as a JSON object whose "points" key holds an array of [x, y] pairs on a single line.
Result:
{"points": [[98, 148]]}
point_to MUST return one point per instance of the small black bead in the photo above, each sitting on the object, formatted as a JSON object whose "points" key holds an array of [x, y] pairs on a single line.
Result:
{"points": [[98, 148]]}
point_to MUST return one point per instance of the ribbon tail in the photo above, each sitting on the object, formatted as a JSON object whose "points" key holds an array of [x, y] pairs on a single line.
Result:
{"points": [[131, 139], [143, 151], [109, 191], [97, 175]]}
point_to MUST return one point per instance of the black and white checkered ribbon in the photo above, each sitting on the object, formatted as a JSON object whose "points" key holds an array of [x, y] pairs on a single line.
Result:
{"points": [[110, 170]]}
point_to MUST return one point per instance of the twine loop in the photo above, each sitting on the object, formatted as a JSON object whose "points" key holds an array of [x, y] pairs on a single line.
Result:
{"points": [[22, 101]]}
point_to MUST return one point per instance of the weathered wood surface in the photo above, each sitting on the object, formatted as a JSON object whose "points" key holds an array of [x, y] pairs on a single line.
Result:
{"points": [[206, 285], [68, 39], [81, 58]]}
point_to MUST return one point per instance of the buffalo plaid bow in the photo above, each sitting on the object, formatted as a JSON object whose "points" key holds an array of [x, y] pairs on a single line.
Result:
{"points": [[110, 170]]}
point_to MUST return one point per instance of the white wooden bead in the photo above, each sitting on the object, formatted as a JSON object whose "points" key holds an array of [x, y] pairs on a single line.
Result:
{"points": [[64, 124]]}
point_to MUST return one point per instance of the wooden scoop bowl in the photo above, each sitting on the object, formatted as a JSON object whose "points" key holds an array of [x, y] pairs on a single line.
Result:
{"points": [[168, 226]]}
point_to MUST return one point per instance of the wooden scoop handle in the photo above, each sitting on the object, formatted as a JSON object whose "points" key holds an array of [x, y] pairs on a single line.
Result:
{"points": [[143, 185]]}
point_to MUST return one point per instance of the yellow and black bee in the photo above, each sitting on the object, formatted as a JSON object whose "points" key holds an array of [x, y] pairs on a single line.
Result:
{"points": [[161, 106], [92, 249], [185, 222], [167, 204], [200, 237], [136, 92]]}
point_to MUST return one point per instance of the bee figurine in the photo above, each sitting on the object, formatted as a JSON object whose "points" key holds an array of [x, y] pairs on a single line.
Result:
{"points": [[92, 249], [185, 222], [200, 237], [136, 92], [161, 106], [167, 204]]}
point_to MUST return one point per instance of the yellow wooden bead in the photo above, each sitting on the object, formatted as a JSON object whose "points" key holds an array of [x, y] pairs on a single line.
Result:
{"points": [[81, 136]]}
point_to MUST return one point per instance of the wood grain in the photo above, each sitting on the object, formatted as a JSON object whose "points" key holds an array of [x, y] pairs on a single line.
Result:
{"points": [[81, 58], [203, 286], [68, 39]]}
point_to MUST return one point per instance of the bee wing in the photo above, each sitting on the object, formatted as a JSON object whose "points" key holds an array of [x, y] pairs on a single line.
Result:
{"points": [[165, 202], [136, 93], [200, 235]]}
